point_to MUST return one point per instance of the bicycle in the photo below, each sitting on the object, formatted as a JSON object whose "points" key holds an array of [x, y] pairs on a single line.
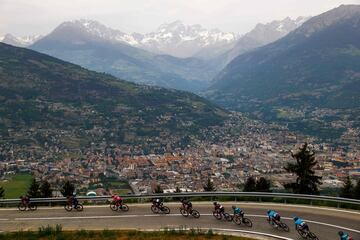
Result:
{"points": [[28, 206], [187, 212], [160, 209], [238, 219], [69, 207], [115, 206], [279, 224], [220, 215], [306, 234]]}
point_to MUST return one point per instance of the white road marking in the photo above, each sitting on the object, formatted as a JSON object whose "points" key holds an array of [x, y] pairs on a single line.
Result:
{"points": [[169, 215], [310, 221]]}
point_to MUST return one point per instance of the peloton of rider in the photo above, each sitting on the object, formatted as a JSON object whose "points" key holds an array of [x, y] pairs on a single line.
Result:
{"points": [[187, 205], [300, 224], [219, 208], [117, 199], [238, 211], [344, 236], [273, 216]]}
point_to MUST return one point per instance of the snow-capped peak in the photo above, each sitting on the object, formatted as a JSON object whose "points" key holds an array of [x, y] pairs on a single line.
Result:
{"points": [[22, 41]]}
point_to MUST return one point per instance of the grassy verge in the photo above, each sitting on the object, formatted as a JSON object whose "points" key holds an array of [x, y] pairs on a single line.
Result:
{"points": [[56, 233], [16, 185]]}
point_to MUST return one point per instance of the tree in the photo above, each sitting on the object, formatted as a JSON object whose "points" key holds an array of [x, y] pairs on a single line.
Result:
{"points": [[250, 185], [263, 185], [209, 187], [45, 189], [306, 182], [34, 189], [356, 193], [2, 192], [67, 189], [158, 189], [178, 190], [347, 189]]}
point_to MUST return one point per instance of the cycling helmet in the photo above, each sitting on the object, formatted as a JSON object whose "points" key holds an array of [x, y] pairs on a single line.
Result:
{"points": [[295, 218], [233, 207], [215, 203], [268, 211], [341, 233]]}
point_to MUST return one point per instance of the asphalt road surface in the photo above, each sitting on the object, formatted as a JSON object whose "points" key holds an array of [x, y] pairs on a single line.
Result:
{"points": [[324, 222]]}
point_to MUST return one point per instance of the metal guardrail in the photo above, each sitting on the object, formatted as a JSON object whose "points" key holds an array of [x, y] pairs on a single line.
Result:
{"points": [[196, 194]]}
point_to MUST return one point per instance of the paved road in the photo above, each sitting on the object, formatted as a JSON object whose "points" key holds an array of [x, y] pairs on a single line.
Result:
{"points": [[324, 222]]}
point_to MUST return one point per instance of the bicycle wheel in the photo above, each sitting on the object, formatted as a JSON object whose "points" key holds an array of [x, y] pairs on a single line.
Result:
{"points": [[32, 207], [21, 207], [217, 215], [284, 226], [195, 213], [247, 222], [154, 209], [124, 208], [228, 217], [68, 207], [237, 220], [113, 206], [184, 212], [165, 210], [79, 207]]}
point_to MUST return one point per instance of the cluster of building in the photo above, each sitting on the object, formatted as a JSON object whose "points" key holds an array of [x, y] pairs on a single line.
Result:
{"points": [[227, 155]]}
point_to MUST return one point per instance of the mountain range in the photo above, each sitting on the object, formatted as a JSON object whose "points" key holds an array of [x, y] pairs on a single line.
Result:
{"points": [[153, 58], [19, 41], [317, 66], [43, 98]]}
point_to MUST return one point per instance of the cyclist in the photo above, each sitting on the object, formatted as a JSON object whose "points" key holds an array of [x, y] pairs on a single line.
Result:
{"points": [[187, 205], [238, 211], [25, 200], [157, 202], [117, 199], [300, 224], [219, 208], [344, 236], [73, 200], [273, 216]]}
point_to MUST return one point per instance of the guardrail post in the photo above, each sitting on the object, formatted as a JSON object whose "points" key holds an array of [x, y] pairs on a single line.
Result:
{"points": [[285, 201], [311, 202]]}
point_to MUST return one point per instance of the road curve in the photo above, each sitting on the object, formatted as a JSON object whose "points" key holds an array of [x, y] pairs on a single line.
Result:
{"points": [[324, 222]]}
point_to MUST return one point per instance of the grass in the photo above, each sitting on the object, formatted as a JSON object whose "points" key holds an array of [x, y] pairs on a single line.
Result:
{"points": [[56, 233], [16, 185]]}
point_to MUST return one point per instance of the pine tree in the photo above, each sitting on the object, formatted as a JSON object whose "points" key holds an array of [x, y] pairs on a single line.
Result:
{"points": [[2, 192], [306, 182], [263, 185], [158, 189], [250, 185], [45, 189], [67, 189], [356, 193], [34, 189], [209, 187], [347, 189]]}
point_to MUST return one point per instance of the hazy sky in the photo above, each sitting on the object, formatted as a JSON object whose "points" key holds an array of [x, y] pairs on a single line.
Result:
{"points": [[23, 17]]}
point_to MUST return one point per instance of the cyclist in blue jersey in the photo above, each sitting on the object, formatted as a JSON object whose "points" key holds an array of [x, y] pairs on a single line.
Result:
{"points": [[273, 216], [238, 211], [344, 236], [300, 224]]}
